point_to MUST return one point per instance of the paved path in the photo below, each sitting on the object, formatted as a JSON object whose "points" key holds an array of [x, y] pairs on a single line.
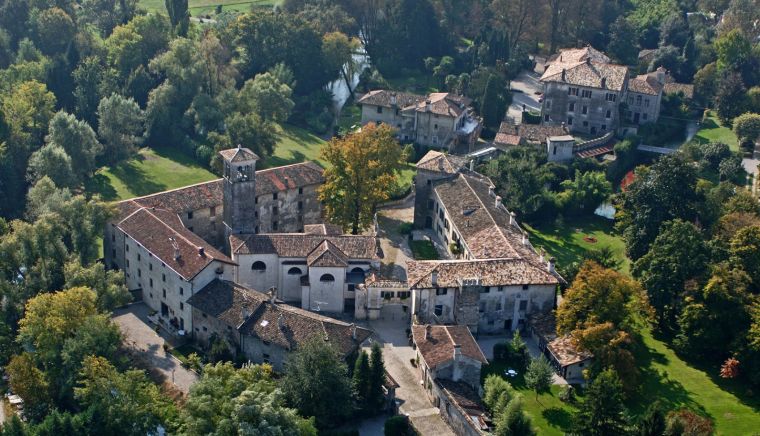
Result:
{"points": [[2, 411], [412, 397], [140, 335], [526, 82], [395, 246]]}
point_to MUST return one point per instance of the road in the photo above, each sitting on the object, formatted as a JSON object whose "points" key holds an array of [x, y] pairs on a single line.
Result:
{"points": [[750, 166], [139, 334], [524, 88]]}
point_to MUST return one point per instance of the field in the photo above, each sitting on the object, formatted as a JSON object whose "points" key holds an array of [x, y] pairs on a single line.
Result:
{"points": [[567, 241], [207, 7], [152, 170], [712, 131]]}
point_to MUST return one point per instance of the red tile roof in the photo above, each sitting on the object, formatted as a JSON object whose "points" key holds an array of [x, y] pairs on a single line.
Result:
{"points": [[489, 272], [302, 244], [436, 343]]}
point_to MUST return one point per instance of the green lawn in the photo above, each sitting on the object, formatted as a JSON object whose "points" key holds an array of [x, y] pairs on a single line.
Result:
{"points": [[207, 7], [294, 145], [423, 250], [677, 384], [549, 415], [568, 241], [711, 130], [152, 170]]}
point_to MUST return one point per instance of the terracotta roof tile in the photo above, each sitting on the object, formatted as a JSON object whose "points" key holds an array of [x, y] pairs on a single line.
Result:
{"points": [[227, 301], [441, 162], [588, 74], [645, 84], [534, 133], [437, 347], [322, 229], [382, 97], [158, 230], [239, 154], [489, 272], [579, 55], [327, 254], [302, 244]]}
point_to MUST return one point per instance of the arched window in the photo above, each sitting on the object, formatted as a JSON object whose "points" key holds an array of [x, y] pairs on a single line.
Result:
{"points": [[295, 271], [327, 278], [357, 270], [259, 266]]}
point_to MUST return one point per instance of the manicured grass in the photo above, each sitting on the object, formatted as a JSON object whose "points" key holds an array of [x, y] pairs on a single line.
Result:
{"points": [[152, 170], [711, 130], [549, 415], [294, 145], [424, 250], [666, 377], [569, 240]]}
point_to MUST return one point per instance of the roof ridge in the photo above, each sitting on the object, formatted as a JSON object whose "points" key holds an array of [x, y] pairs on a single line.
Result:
{"points": [[169, 190], [490, 216], [451, 338]]}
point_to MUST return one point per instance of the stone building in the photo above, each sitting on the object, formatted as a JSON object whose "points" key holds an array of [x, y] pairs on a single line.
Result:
{"points": [[566, 359], [449, 362], [386, 298], [510, 135], [318, 270], [172, 244], [583, 91], [263, 328], [496, 278], [586, 92], [440, 120]]}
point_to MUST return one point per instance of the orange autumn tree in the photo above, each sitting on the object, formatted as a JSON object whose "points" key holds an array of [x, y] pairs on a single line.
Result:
{"points": [[363, 172]]}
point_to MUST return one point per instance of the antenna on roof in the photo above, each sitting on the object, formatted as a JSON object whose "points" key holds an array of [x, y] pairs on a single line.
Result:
{"points": [[176, 247]]}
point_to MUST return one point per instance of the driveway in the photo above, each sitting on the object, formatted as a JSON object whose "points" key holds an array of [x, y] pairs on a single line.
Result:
{"points": [[397, 354], [140, 335], [524, 88]]}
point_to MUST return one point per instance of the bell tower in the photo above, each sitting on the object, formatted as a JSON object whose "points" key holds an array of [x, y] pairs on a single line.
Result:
{"points": [[239, 191]]}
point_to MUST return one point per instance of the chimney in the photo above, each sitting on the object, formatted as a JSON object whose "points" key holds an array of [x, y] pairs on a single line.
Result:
{"points": [[201, 252], [428, 329], [245, 313], [563, 74], [497, 203], [472, 165], [604, 82], [550, 265], [525, 239], [272, 294], [490, 191], [427, 105], [440, 164], [512, 218], [177, 254], [457, 351], [434, 278], [393, 99], [281, 322], [588, 60], [353, 331]]}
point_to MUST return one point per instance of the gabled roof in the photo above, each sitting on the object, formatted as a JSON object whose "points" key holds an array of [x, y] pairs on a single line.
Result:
{"points": [[300, 245], [326, 254], [579, 55], [436, 343], [489, 272], [385, 98], [210, 194], [440, 162], [510, 134], [274, 322], [589, 74], [645, 84], [322, 229], [160, 230], [443, 103], [239, 154]]}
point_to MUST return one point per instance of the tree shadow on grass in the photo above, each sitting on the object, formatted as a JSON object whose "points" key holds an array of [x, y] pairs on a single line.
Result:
{"points": [[558, 417], [101, 185], [654, 383], [136, 179], [276, 161]]}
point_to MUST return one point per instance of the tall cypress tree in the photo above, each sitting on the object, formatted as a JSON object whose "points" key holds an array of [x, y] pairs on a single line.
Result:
{"points": [[361, 379], [489, 104], [179, 15], [375, 397]]}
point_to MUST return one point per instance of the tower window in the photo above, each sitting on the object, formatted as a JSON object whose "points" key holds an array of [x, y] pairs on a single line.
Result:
{"points": [[300, 191], [274, 196], [295, 271], [259, 266], [274, 225], [190, 215], [212, 211], [327, 278], [275, 210]]}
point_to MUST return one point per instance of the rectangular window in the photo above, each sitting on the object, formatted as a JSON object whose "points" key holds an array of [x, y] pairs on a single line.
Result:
{"points": [[275, 210], [151, 283], [645, 116], [274, 196], [126, 247], [638, 100], [548, 104], [150, 266], [546, 118], [300, 205], [181, 306], [379, 109], [523, 304], [435, 126], [526, 287], [274, 225], [441, 291], [438, 309], [163, 292], [608, 114], [181, 291], [571, 108], [113, 238], [584, 110], [163, 277], [138, 257], [585, 124], [139, 272], [300, 191], [646, 102], [482, 307], [256, 200], [572, 91], [611, 97], [569, 121], [127, 263], [212, 211], [604, 127], [586, 93], [190, 215]]}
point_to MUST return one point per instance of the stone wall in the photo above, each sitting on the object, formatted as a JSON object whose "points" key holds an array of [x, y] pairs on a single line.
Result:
{"points": [[556, 107]]}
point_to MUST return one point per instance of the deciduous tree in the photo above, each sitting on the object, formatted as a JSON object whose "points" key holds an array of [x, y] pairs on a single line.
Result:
{"points": [[603, 413], [363, 172], [121, 125], [539, 375]]}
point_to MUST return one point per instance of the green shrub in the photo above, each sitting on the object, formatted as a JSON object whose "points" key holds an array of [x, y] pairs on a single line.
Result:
{"points": [[398, 426]]}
